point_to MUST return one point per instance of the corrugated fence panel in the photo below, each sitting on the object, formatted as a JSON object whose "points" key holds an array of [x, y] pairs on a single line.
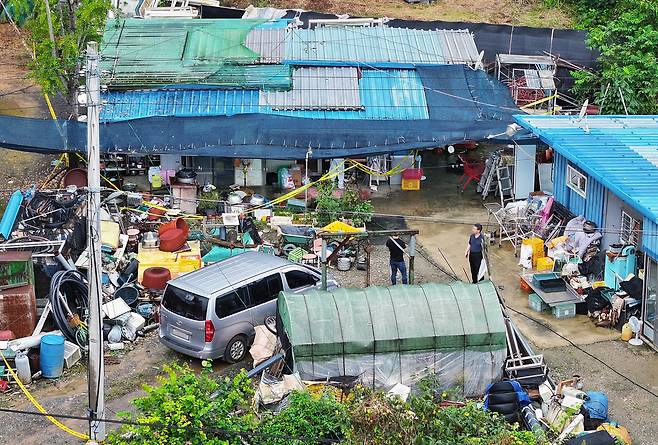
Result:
{"points": [[650, 238]]}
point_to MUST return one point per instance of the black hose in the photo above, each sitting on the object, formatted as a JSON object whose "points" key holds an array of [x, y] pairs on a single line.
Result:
{"points": [[69, 295]]}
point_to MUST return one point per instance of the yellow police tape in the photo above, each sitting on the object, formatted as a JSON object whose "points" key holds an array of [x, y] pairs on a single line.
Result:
{"points": [[38, 406]]}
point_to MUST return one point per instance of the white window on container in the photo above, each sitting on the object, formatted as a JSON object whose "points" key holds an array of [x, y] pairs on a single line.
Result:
{"points": [[576, 181], [630, 229]]}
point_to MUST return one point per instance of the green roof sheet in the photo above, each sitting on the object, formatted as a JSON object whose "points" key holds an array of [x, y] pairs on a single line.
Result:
{"points": [[158, 52], [440, 317]]}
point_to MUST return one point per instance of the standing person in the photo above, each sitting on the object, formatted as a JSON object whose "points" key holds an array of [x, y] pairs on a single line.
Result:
{"points": [[396, 247], [474, 251]]}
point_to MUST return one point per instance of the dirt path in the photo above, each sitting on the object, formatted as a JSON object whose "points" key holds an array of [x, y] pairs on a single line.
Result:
{"points": [[513, 12]]}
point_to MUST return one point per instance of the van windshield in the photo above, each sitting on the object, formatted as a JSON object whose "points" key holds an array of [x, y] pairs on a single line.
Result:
{"points": [[185, 304]]}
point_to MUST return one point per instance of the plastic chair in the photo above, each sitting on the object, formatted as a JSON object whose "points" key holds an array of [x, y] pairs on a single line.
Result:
{"points": [[472, 171]]}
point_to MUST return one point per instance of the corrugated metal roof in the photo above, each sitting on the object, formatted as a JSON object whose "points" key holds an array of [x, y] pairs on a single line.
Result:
{"points": [[269, 43], [384, 95], [317, 88], [381, 44], [621, 152]]}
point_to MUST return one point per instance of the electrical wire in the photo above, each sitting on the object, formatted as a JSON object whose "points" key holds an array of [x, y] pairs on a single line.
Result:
{"points": [[160, 425], [545, 325]]}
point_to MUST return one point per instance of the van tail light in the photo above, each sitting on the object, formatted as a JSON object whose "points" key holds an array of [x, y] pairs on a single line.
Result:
{"points": [[210, 331]]}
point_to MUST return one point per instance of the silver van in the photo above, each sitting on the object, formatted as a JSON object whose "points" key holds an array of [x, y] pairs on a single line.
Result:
{"points": [[211, 313]]}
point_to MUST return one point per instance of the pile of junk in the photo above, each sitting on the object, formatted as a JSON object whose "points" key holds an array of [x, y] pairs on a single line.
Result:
{"points": [[391, 338], [44, 293]]}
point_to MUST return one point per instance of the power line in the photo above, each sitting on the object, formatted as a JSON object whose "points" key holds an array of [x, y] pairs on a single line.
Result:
{"points": [[159, 425], [545, 325]]}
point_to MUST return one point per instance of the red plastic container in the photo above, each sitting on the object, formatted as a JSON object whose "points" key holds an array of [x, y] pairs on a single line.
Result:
{"points": [[173, 235], [412, 173], [156, 278]]}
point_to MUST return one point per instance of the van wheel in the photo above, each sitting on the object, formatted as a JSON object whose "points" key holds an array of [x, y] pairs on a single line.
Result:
{"points": [[236, 350]]}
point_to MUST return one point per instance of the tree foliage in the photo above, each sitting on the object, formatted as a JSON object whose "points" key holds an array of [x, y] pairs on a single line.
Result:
{"points": [[625, 32], [56, 65]]}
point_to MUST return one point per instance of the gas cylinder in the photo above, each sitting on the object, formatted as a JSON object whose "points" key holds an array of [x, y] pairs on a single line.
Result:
{"points": [[23, 368]]}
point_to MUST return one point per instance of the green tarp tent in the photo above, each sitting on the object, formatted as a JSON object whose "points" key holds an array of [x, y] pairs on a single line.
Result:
{"points": [[395, 334]]}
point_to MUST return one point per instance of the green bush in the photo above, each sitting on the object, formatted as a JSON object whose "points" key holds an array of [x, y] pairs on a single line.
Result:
{"points": [[180, 407], [323, 418], [182, 402], [349, 205]]}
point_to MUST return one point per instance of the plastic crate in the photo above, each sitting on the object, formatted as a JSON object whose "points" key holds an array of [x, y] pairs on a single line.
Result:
{"points": [[410, 184], [296, 255], [536, 303], [565, 310], [412, 173], [545, 263], [537, 245]]}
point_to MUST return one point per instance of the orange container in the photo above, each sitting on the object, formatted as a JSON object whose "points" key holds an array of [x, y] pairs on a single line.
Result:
{"points": [[525, 287]]}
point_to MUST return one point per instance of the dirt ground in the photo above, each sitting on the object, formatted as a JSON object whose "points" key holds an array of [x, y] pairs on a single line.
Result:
{"points": [[19, 96], [443, 216], [512, 12]]}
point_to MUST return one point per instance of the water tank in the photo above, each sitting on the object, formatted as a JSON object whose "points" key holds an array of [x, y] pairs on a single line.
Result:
{"points": [[52, 356]]}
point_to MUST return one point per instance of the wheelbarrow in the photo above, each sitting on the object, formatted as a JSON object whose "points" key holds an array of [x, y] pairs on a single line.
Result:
{"points": [[292, 236]]}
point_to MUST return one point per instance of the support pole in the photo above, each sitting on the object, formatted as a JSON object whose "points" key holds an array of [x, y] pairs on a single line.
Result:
{"points": [[323, 258], [96, 369], [412, 257]]}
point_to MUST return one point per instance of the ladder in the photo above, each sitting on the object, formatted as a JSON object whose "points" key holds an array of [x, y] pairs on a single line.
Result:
{"points": [[487, 184]]}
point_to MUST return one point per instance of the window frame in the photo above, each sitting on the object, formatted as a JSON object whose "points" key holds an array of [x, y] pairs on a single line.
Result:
{"points": [[574, 172], [226, 295], [307, 273], [633, 235], [252, 300]]}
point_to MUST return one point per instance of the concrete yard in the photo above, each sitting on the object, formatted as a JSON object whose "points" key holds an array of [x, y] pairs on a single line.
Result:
{"points": [[444, 216]]}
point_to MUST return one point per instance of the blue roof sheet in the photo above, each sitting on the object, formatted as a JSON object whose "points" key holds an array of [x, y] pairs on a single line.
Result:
{"points": [[621, 152], [384, 94]]}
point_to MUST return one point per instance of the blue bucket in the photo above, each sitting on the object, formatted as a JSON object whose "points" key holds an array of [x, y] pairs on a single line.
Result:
{"points": [[51, 358]]}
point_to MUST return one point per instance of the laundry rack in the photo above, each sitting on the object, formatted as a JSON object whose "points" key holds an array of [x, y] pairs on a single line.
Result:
{"points": [[512, 227]]}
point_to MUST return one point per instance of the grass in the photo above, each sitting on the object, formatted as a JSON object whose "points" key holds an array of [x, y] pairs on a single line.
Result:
{"points": [[535, 13]]}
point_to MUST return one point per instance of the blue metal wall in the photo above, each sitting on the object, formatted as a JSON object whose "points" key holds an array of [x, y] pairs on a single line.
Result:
{"points": [[592, 206], [650, 238]]}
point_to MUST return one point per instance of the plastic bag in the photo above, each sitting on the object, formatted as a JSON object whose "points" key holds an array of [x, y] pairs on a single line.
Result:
{"points": [[525, 256]]}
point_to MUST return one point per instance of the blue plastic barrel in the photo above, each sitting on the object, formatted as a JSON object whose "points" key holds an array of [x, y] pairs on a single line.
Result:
{"points": [[52, 356]]}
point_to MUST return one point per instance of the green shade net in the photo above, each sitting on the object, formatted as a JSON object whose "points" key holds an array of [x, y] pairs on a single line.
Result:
{"points": [[158, 52]]}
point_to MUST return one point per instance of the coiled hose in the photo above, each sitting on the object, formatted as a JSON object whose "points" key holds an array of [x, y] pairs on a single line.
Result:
{"points": [[69, 299]]}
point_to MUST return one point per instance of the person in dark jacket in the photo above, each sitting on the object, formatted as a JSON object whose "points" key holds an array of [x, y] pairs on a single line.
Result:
{"points": [[396, 247], [474, 251]]}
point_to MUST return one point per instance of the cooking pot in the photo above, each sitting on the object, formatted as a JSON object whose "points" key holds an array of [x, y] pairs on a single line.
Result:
{"points": [[186, 176], [234, 198], [150, 239]]}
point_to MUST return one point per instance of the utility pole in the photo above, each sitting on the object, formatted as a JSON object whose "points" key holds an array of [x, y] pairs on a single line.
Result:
{"points": [[96, 368]]}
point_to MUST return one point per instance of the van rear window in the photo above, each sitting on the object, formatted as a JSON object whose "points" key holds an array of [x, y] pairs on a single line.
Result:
{"points": [[185, 304]]}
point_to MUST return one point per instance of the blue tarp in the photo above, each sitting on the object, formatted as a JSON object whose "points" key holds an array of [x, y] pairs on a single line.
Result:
{"points": [[463, 104]]}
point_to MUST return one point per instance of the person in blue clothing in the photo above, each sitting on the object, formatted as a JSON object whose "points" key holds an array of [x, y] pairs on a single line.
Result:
{"points": [[396, 247], [474, 251]]}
